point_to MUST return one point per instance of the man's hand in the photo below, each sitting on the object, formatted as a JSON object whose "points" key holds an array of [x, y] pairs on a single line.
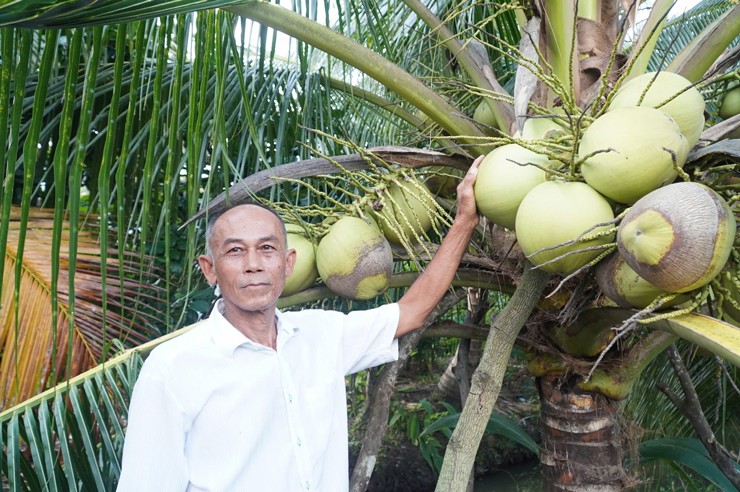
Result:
{"points": [[466, 208]]}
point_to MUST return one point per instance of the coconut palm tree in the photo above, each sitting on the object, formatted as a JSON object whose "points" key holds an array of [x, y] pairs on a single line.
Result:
{"points": [[156, 110]]}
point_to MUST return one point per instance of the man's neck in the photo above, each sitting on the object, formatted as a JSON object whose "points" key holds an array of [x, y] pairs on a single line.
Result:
{"points": [[260, 326]]}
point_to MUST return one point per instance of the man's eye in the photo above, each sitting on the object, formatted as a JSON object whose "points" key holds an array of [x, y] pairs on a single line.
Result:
{"points": [[268, 247], [234, 250]]}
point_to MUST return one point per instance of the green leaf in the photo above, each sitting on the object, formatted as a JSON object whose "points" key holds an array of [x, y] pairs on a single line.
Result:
{"points": [[497, 424], [688, 452]]}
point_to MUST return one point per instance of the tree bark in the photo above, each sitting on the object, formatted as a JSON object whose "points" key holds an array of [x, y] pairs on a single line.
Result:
{"points": [[486, 382], [582, 446], [379, 401]]}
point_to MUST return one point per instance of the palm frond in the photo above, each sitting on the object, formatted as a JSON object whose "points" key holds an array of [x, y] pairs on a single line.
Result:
{"points": [[70, 342], [70, 437]]}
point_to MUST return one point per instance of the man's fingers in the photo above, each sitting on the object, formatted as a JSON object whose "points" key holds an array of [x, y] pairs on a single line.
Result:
{"points": [[473, 170]]}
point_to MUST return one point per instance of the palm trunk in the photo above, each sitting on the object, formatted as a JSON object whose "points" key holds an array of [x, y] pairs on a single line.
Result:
{"points": [[582, 444]]}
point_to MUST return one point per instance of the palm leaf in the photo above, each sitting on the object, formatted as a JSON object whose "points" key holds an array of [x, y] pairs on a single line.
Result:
{"points": [[89, 411], [687, 452], [29, 328]]}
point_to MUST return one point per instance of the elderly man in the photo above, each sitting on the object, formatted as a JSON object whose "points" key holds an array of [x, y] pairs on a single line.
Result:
{"points": [[254, 398]]}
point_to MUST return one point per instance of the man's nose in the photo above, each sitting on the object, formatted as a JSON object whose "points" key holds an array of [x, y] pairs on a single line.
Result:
{"points": [[252, 261]]}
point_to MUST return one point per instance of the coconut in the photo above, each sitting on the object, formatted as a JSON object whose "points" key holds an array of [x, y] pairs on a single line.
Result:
{"points": [[652, 89], [625, 287], [354, 259], [730, 103], [505, 176], [442, 181], [555, 212], [484, 115], [542, 128], [678, 237], [407, 211], [629, 152], [304, 272]]}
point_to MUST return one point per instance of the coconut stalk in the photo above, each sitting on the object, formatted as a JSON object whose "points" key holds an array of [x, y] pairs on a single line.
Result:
{"points": [[486, 382], [560, 32]]}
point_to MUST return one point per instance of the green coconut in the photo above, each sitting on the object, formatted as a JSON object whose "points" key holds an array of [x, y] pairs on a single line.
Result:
{"points": [[542, 128], [442, 181], [484, 115], [407, 211], [620, 283], [678, 237], [629, 152], [354, 259], [305, 271], [651, 90], [555, 212], [505, 176], [730, 103]]}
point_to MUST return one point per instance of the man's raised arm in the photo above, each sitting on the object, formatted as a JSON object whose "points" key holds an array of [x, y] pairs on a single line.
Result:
{"points": [[425, 293]]}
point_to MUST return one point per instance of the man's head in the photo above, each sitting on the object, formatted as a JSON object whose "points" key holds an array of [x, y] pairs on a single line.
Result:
{"points": [[247, 257]]}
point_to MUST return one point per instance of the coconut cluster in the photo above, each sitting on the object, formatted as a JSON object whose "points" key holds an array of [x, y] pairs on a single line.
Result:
{"points": [[354, 258], [675, 237]]}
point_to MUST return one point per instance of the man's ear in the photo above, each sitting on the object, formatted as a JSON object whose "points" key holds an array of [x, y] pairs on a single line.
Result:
{"points": [[206, 265], [290, 262]]}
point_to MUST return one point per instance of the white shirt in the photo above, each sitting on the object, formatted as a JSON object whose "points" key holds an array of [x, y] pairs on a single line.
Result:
{"points": [[212, 410]]}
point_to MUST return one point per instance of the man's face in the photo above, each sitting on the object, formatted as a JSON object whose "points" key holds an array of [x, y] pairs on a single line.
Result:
{"points": [[249, 259]]}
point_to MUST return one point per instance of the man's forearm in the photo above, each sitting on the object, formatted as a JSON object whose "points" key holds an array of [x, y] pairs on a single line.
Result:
{"points": [[426, 292]]}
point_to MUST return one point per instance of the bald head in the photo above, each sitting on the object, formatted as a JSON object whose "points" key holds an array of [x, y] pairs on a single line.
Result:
{"points": [[214, 218]]}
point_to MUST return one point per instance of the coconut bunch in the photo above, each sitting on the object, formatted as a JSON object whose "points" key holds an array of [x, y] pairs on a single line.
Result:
{"points": [[673, 239], [350, 249]]}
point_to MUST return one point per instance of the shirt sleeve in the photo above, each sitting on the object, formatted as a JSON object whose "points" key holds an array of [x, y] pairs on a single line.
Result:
{"points": [[369, 338], [154, 448]]}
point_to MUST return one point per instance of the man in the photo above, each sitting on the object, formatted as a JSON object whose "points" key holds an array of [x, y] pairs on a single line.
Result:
{"points": [[254, 399]]}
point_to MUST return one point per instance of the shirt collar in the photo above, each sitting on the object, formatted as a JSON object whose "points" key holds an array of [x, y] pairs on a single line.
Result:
{"points": [[227, 338]]}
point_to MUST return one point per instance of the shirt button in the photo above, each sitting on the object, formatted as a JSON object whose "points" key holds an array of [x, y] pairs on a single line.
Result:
{"points": [[308, 485], [290, 398], [299, 441]]}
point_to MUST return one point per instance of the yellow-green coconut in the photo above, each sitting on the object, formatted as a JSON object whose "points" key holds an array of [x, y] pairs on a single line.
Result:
{"points": [[555, 212], [653, 89], [542, 128], [305, 271], [485, 116], [407, 211], [678, 237], [730, 103], [629, 152], [354, 259], [625, 287], [505, 176]]}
